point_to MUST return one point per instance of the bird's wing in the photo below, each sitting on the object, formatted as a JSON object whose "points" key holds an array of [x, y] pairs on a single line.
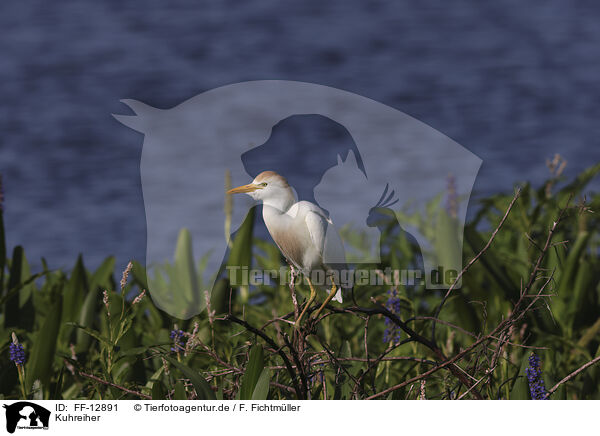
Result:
{"points": [[325, 237], [316, 223], [322, 232], [305, 207]]}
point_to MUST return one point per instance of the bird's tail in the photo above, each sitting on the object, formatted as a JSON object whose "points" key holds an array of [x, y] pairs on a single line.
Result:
{"points": [[338, 295], [343, 283]]}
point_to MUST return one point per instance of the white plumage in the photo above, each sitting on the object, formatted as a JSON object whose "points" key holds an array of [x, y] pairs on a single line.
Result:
{"points": [[302, 230]]}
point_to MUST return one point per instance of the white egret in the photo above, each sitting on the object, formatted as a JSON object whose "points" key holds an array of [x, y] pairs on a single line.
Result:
{"points": [[302, 230]]}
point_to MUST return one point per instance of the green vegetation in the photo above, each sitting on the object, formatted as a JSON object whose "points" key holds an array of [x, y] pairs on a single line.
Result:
{"points": [[535, 288]]}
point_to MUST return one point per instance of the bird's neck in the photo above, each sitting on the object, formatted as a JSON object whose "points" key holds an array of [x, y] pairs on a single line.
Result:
{"points": [[280, 203]]}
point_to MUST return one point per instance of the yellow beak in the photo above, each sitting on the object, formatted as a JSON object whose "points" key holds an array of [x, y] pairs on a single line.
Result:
{"points": [[243, 189]]}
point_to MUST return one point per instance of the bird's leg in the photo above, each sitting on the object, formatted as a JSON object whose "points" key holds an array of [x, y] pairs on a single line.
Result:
{"points": [[293, 289], [328, 299], [313, 294]]}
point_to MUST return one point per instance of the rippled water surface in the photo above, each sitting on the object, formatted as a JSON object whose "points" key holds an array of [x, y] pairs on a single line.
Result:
{"points": [[512, 82]]}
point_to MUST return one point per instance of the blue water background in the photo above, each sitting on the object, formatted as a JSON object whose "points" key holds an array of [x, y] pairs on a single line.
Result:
{"points": [[514, 82]]}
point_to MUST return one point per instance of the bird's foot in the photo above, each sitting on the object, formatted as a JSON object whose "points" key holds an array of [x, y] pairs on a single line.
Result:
{"points": [[307, 326]]}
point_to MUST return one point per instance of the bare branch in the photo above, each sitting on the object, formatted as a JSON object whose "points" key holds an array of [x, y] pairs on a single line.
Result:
{"points": [[572, 375], [107, 383], [472, 261], [272, 343]]}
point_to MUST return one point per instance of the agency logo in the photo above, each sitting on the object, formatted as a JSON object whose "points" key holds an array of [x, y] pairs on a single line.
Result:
{"points": [[24, 415], [375, 181]]}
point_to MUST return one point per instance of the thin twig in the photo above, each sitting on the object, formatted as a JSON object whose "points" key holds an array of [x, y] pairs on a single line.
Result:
{"points": [[573, 374], [299, 365], [473, 335], [122, 388], [472, 261], [336, 362], [516, 314], [284, 387], [379, 309], [293, 290], [358, 359], [469, 390], [272, 343]]}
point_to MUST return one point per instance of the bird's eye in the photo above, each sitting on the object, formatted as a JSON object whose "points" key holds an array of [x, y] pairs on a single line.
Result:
{"points": [[263, 184]]}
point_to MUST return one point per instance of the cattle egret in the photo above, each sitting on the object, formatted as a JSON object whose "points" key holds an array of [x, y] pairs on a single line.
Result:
{"points": [[302, 230]]}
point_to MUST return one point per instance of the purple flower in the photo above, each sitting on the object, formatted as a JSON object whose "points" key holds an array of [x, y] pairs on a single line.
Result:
{"points": [[534, 377], [392, 331], [17, 353], [177, 337]]}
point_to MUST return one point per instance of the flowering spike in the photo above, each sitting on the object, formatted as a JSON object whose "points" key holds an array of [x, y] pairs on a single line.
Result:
{"points": [[139, 297], [105, 301], [125, 276], [177, 337], [17, 353], [534, 377]]}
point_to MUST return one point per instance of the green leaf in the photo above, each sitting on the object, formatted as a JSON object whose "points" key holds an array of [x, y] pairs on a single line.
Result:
{"points": [[103, 275], [346, 350], [241, 250], [16, 277], [520, 389], [155, 377], [581, 180], [179, 391], [74, 292], [57, 395], [139, 274], [185, 269], [93, 333], [158, 391], [572, 262], [219, 297], [253, 370], [100, 279], [14, 291], [261, 391], [568, 295], [203, 390], [40, 362], [447, 246], [492, 263], [86, 318], [589, 335]]}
